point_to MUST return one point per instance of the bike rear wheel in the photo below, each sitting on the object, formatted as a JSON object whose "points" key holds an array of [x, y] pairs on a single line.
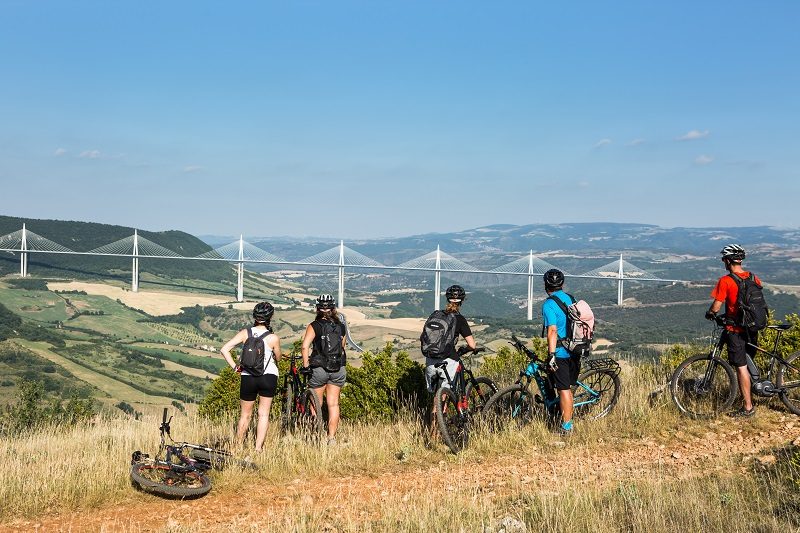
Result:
{"points": [[789, 379], [703, 386], [479, 393], [169, 482], [599, 389], [308, 416], [219, 459], [453, 422], [511, 407]]}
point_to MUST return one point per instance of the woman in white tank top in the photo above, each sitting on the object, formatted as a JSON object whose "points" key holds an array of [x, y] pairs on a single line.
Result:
{"points": [[256, 384]]}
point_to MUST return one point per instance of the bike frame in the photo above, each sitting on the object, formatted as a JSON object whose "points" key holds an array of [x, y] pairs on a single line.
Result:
{"points": [[775, 359], [458, 383], [299, 382]]}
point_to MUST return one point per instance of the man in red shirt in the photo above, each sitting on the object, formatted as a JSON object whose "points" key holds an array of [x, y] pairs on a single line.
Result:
{"points": [[736, 337]]}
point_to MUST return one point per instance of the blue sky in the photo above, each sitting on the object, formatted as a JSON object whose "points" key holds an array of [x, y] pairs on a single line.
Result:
{"points": [[358, 119]]}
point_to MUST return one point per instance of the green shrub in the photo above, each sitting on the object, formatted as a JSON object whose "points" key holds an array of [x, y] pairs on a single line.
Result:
{"points": [[222, 397], [30, 412], [505, 365], [382, 386]]}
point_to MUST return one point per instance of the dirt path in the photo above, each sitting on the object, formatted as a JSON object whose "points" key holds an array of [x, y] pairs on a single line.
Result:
{"points": [[666, 457]]}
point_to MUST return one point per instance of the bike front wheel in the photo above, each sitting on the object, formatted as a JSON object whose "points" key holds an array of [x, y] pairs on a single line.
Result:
{"points": [[703, 386], [166, 481], [788, 379], [596, 394], [480, 392], [452, 421], [511, 407]]}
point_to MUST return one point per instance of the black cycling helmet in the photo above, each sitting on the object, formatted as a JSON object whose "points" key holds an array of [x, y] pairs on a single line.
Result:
{"points": [[733, 252], [325, 301], [553, 279], [263, 312], [455, 294]]}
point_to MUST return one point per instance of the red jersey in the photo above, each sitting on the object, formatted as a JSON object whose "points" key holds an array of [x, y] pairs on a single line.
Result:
{"points": [[726, 291]]}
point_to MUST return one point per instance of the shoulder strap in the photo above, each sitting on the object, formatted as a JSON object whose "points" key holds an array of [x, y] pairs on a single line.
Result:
{"points": [[737, 279], [560, 304], [264, 334], [249, 332]]}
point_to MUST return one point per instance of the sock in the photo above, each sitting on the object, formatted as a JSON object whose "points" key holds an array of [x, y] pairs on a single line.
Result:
{"points": [[567, 426]]}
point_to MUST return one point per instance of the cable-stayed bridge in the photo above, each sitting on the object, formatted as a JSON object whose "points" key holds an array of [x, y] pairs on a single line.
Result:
{"points": [[238, 253]]}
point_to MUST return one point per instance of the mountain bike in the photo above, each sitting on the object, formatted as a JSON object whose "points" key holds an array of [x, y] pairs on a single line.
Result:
{"points": [[705, 385], [301, 406], [459, 399], [182, 470], [595, 393]]}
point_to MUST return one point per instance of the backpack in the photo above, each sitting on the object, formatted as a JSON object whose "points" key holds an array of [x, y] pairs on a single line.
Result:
{"points": [[580, 326], [438, 335], [752, 314], [252, 358], [328, 351]]}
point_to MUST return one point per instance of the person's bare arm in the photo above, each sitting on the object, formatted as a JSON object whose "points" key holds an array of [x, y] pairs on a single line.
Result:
{"points": [[308, 338], [226, 349]]}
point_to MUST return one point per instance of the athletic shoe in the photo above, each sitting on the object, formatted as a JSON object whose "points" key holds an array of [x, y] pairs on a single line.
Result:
{"points": [[332, 441], [743, 413]]}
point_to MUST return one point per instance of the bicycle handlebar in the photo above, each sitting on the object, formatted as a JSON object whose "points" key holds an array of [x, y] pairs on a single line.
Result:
{"points": [[519, 345]]}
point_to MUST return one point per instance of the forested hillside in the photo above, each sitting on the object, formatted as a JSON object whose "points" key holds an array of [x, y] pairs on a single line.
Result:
{"points": [[86, 236]]}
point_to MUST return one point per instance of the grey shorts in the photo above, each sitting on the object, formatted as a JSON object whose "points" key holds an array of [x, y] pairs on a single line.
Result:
{"points": [[431, 372], [321, 377]]}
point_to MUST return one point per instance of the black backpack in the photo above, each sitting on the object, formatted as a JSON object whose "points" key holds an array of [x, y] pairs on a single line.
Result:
{"points": [[328, 351], [752, 314], [438, 335], [252, 357]]}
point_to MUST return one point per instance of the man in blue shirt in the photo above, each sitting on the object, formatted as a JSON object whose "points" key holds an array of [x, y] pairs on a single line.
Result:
{"points": [[563, 366]]}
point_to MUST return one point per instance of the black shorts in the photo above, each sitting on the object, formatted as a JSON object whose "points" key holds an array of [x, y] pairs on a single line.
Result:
{"points": [[253, 386], [566, 375], [738, 347]]}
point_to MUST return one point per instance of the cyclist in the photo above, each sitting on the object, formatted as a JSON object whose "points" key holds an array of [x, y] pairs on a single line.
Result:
{"points": [[323, 351], [563, 366], [262, 386], [736, 338]]}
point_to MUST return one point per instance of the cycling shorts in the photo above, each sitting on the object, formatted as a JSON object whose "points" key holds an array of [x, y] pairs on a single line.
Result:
{"points": [[566, 375], [321, 377], [738, 347], [435, 377], [253, 386]]}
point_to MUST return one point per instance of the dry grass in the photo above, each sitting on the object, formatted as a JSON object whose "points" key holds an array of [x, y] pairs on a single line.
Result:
{"points": [[641, 469]]}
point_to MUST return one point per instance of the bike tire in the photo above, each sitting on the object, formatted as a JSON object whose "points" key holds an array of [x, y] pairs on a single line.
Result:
{"points": [[790, 378], [309, 416], [287, 422], [453, 423], [156, 479], [511, 407], [696, 398], [479, 396], [606, 384]]}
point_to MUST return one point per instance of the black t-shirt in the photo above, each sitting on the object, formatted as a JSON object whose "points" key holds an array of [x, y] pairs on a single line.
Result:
{"points": [[462, 328]]}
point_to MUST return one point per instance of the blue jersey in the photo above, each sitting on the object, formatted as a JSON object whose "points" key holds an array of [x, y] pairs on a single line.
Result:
{"points": [[554, 316]]}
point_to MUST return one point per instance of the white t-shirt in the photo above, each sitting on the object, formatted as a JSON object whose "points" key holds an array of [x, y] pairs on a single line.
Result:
{"points": [[270, 366]]}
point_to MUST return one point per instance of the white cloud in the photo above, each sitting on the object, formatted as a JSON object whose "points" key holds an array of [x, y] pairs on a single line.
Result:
{"points": [[192, 168], [636, 142], [584, 184], [90, 154], [602, 142], [59, 152], [703, 160], [693, 135]]}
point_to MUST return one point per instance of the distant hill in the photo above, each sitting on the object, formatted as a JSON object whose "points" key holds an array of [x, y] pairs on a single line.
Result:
{"points": [[85, 236]]}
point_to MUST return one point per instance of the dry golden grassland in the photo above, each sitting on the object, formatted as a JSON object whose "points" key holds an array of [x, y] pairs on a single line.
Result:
{"points": [[643, 468]]}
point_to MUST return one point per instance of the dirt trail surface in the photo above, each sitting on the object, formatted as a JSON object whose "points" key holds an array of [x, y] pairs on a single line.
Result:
{"points": [[727, 446]]}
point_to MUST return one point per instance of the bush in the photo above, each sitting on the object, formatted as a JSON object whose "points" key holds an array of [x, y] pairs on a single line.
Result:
{"points": [[504, 367], [30, 413], [222, 398], [383, 385]]}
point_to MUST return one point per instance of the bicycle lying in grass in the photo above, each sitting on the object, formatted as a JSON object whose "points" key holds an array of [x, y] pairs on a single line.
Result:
{"points": [[179, 468], [458, 399], [595, 394], [706, 385], [301, 406]]}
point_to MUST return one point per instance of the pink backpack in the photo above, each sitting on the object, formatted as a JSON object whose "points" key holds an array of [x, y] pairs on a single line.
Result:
{"points": [[580, 326]]}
